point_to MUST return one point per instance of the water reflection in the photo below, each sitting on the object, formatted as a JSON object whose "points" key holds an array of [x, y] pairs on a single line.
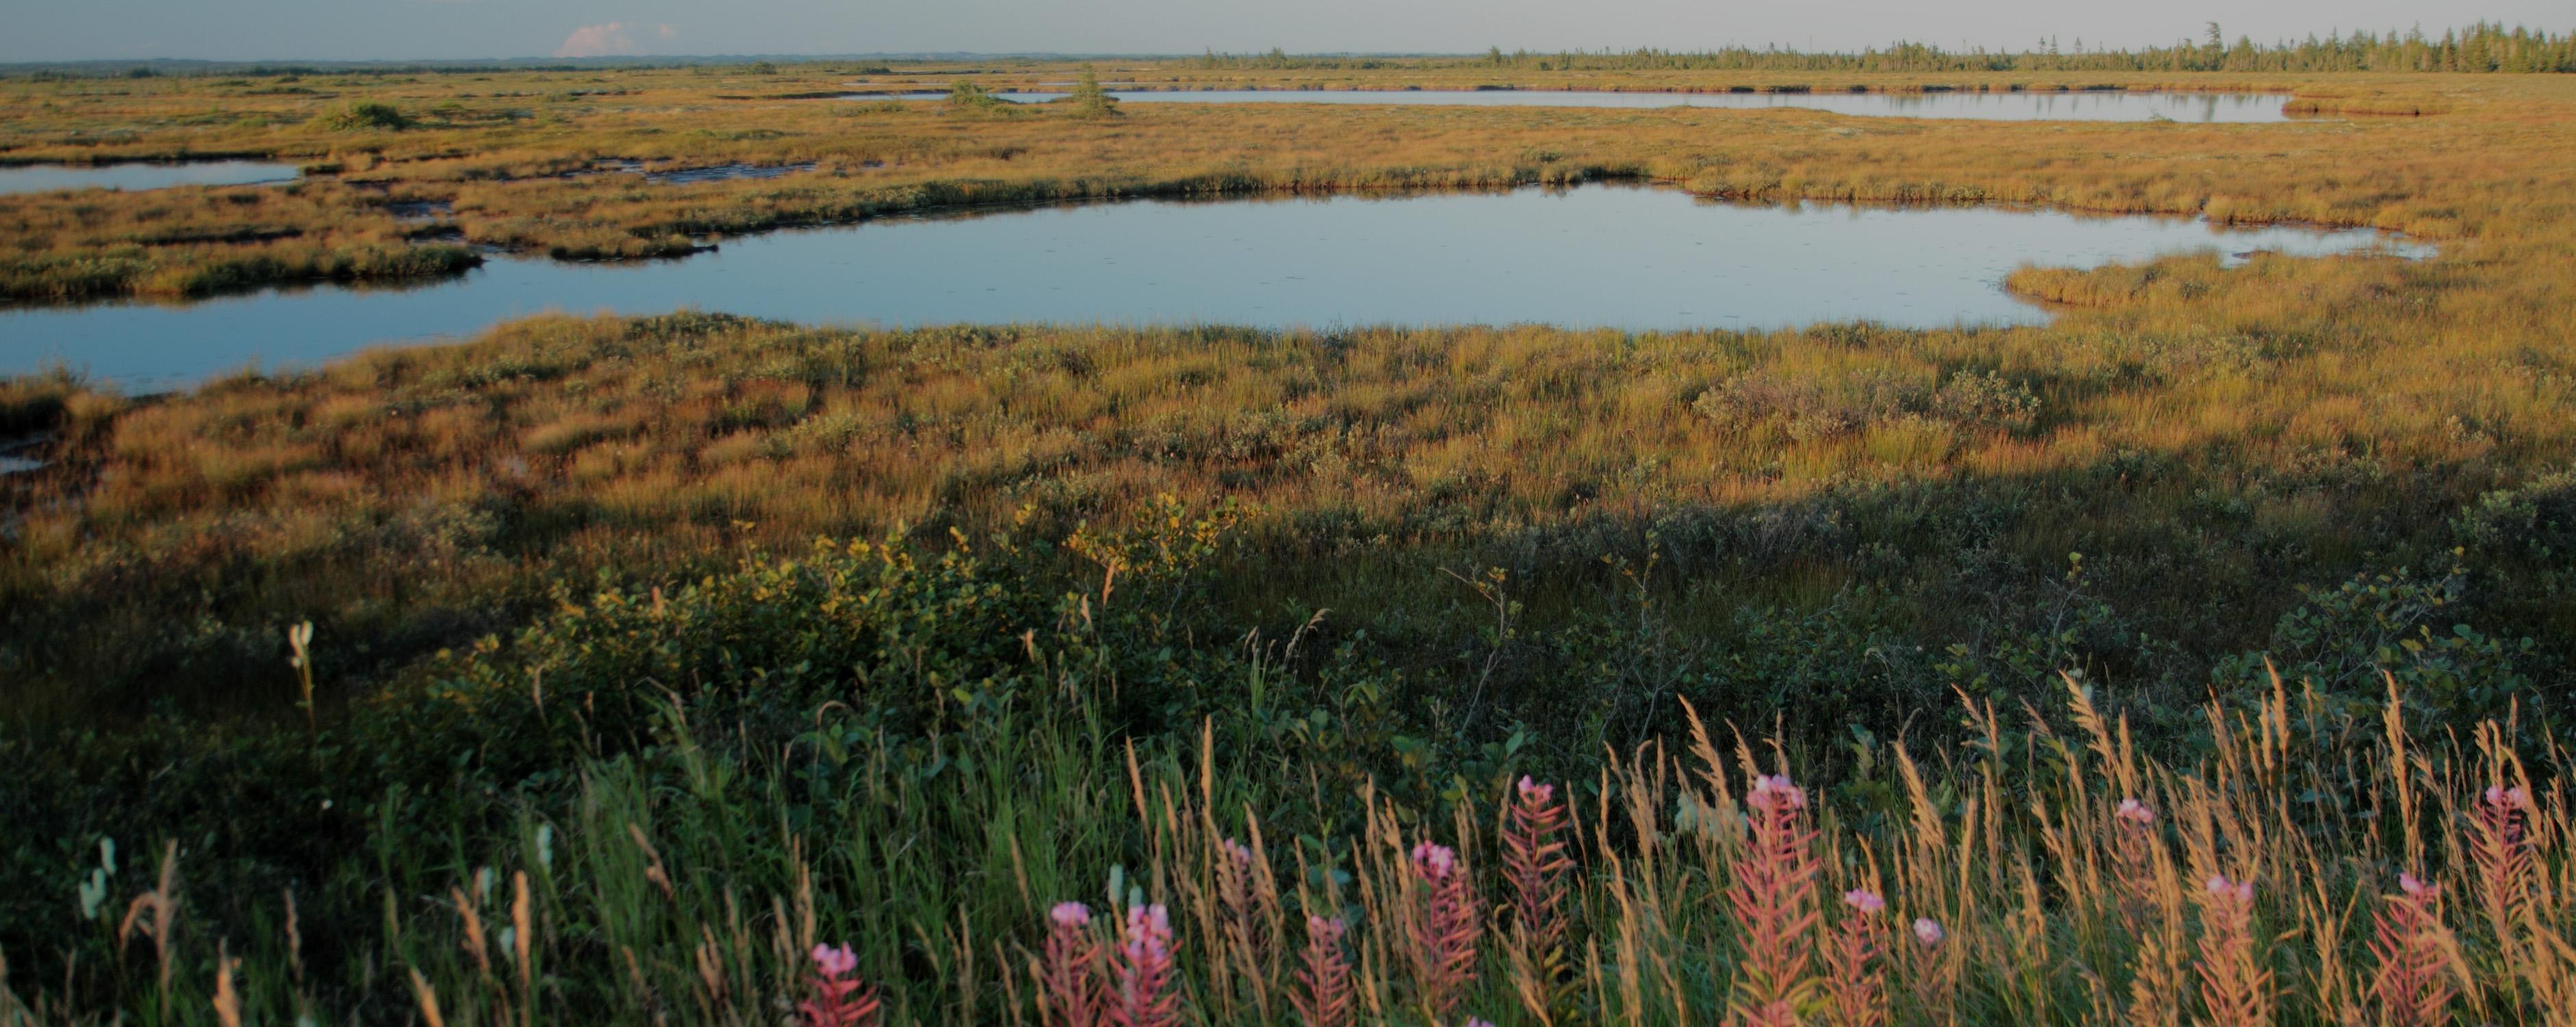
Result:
{"points": [[1615, 256], [38, 178]]}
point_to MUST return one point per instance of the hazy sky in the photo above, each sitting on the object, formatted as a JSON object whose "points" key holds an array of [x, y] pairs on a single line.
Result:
{"points": [[40, 30]]}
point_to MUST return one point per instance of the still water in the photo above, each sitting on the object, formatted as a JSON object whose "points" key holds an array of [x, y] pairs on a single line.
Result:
{"points": [[38, 178], [1616, 256], [2041, 106]]}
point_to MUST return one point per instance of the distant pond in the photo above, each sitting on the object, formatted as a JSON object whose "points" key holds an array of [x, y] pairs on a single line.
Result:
{"points": [[40, 178], [1630, 257], [2048, 105]]}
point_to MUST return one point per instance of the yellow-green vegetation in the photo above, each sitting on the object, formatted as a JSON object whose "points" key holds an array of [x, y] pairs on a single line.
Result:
{"points": [[585, 604], [492, 150]]}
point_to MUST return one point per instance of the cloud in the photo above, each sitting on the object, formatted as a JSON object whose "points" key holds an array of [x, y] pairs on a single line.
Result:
{"points": [[609, 39], [666, 32]]}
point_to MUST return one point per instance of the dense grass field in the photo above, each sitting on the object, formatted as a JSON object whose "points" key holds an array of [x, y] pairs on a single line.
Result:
{"points": [[484, 156], [2197, 656]]}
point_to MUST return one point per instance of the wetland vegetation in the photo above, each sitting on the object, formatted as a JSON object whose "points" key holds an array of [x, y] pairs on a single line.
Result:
{"points": [[1585, 256], [2196, 653]]}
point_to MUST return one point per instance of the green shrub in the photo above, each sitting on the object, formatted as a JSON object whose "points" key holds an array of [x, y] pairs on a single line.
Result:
{"points": [[367, 116], [1089, 100], [972, 97], [2352, 640]]}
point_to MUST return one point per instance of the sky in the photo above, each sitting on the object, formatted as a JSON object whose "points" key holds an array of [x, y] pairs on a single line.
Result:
{"points": [[62, 30]]}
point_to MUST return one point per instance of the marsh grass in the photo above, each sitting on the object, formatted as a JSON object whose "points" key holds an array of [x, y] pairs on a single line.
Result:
{"points": [[2307, 419], [494, 149]]}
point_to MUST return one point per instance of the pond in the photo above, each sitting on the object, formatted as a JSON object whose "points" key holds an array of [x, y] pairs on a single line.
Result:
{"points": [[2088, 105], [39, 178], [1631, 257]]}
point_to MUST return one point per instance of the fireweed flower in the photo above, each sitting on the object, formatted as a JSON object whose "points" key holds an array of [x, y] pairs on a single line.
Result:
{"points": [[1776, 788], [1535, 867], [1073, 992], [2136, 812], [1324, 997], [1773, 902], [2413, 984], [1249, 908], [2234, 987], [839, 1000], [1446, 918], [833, 962], [1434, 862], [1149, 930], [1145, 996], [1855, 982], [1927, 932]]}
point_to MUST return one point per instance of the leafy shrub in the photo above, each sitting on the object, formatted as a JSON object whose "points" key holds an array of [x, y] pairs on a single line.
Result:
{"points": [[972, 97], [2351, 640], [2527, 531], [1987, 399], [367, 116]]}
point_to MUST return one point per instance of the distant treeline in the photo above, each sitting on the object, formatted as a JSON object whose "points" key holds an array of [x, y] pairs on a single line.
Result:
{"points": [[2480, 48]]}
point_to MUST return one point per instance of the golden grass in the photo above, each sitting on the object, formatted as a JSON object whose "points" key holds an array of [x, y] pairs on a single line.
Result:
{"points": [[2465, 172], [2318, 389]]}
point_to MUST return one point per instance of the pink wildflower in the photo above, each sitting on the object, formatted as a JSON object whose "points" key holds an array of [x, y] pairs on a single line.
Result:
{"points": [[2241, 891], [1773, 899], [834, 962], [2235, 987], [1927, 932], [2413, 984], [1324, 997], [1434, 862], [1446, 918], [1070, 978], [1776, 788], [1855, 977], [839, 1001], [1145, 995], [1535, 866]]}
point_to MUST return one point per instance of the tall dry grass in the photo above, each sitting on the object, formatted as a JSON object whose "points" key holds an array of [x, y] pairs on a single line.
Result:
{"points": [[2297, 870]]}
